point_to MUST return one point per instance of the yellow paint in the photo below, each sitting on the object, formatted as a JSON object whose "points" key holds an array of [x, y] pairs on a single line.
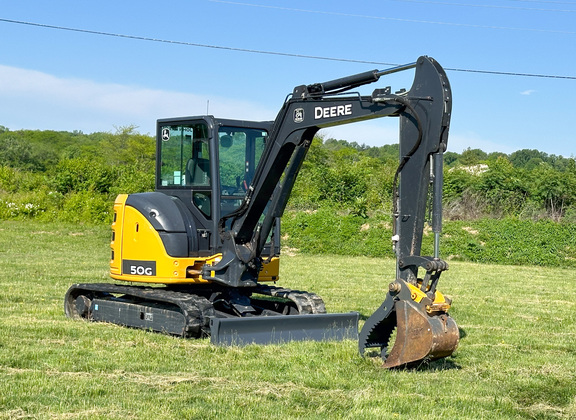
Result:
{"points": [[440, 303], [134, 238]]}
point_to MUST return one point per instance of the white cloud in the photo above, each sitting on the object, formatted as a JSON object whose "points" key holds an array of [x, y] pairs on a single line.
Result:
{"points": [[527, 92], [36, 100]]}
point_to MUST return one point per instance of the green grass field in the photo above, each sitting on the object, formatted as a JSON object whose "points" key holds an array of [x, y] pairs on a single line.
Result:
{"points": [[516, 359]]}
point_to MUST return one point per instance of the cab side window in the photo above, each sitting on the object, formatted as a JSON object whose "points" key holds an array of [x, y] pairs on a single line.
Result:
{"points": [[185, 161]]}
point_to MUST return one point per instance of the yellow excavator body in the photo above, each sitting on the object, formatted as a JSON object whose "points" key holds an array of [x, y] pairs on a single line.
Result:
{"points": [[138, 254]]}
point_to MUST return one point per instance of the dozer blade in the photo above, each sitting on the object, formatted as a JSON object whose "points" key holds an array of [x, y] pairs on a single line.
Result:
{"points": [[281, 329], [420, 336]]}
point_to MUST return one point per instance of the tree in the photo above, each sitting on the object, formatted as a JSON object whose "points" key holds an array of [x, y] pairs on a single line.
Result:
{"points": [[521, 158], [504, 187], [472, 157], [19, 153], [554, 190], [128, 147], [451, 158]]}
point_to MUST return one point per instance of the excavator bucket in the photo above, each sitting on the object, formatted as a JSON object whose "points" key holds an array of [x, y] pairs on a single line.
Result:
{"points": [[420, 336], [409, 332]]}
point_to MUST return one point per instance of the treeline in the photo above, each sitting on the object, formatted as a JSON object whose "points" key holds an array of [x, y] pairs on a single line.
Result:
{"points": [[512, 209], [75, 176], [527, 184], [505, 209], [71, 176]]}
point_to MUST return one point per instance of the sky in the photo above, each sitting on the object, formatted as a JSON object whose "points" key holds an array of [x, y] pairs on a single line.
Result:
{"points": [[101, 65]]}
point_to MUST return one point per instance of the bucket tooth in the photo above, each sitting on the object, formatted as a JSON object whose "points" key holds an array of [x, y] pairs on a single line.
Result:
{"points": [[420, 336], [378, 329]]}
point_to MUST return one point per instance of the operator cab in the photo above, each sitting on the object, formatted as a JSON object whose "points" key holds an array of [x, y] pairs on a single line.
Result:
{"points": [[200, 158]]}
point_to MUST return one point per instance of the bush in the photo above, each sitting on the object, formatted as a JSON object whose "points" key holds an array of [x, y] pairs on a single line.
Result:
{"points": [[87, 207], [82, 174], [505, 241], [555, 190], [131, 179], [8, 179], [18, 210], [42, 204], [15, 180]]}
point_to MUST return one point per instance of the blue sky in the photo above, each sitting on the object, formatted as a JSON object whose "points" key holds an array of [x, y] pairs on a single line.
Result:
{"points": [[68, 80]]}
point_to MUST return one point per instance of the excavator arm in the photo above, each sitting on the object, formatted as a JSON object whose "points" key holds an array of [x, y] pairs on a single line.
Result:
{"points": [[412, 305], [424, 113]]}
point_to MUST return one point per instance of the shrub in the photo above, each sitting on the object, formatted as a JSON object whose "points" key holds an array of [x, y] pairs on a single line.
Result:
{"points": [[87, 207], [82, 174], [131, 179], [505, 241], [42, 203], [8, 179], [15, 180], [554, 189], [503, 187], [17, 210]]}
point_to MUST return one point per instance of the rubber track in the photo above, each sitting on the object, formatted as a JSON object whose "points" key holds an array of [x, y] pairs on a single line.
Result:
{"points": [[197, 310]]}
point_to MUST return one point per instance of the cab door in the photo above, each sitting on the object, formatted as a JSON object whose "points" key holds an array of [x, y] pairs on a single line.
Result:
{"points": [[185, 171]]}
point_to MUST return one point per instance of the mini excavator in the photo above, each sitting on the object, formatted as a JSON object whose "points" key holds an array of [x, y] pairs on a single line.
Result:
{"points": [[199, 256]]}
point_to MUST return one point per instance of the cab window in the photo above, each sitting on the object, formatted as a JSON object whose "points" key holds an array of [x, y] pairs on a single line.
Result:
{"points": [[185, 161], [239, 152], [184, 154]]}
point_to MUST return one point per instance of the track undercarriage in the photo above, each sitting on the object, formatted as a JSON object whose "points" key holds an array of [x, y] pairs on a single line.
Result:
{"points": [[265, 314]]}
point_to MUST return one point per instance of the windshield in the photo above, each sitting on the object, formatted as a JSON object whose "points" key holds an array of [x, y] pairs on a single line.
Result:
{"points": [[239, 150]]}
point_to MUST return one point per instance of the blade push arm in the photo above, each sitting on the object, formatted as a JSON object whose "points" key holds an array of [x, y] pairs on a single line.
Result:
{"points": [[424, 113]]}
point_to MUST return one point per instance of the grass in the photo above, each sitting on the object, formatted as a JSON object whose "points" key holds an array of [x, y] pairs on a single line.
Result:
{"points": [[517, 356]]}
